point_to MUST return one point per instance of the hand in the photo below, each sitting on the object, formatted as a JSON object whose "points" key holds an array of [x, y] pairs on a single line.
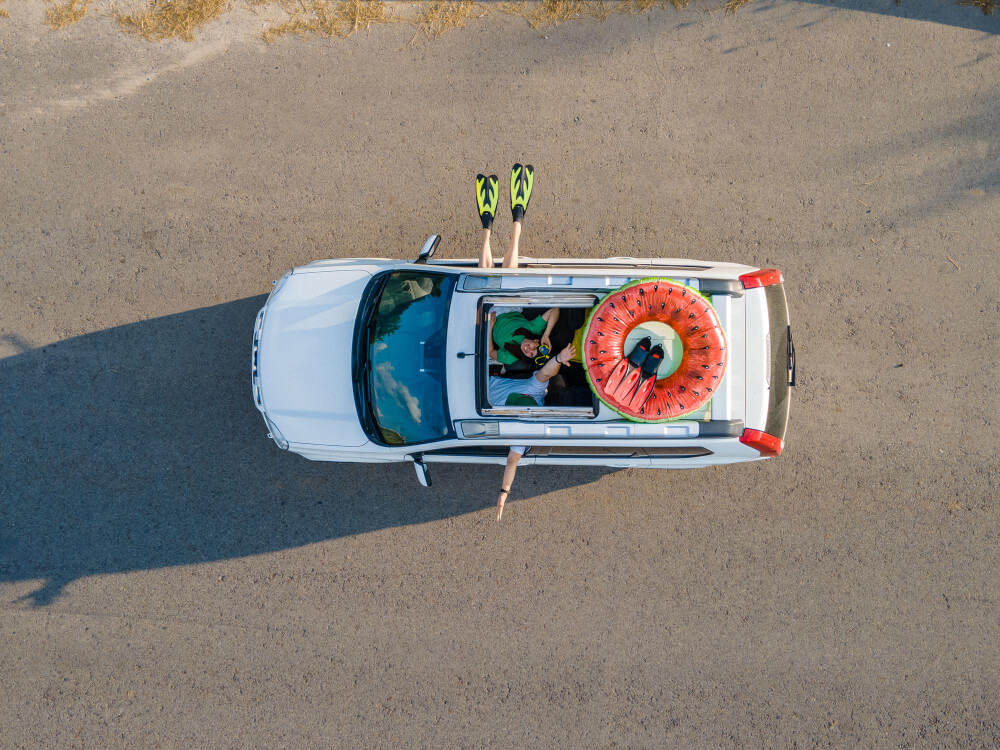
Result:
{"points": [[546, 341], [493, 353], [500, 502], [566, 355]]}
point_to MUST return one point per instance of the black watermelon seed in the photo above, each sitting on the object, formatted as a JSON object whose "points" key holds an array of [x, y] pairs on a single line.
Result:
{"points": [[715, 377], [604, 352], [601, 334], [594, 359], [593, 342], [719, 364], [705, 367], [657, 286], [600, 319], [683, 292], [662, 305], [641, 290], [611, 304], [682, 389], [698, 377], [623, 298], [690, 315], [708, 390], [670, 291], [696, 393]]}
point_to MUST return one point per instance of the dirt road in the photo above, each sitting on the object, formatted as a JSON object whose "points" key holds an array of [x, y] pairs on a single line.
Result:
{"points": [[168, 578]]}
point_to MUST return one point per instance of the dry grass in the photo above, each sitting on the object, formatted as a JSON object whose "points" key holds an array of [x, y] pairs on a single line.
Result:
{"points": [[330, 20], [61, 16], [632, 7], [988, 6], [318, 17], [439, 16], [167, 19], [3, 13], [362, 14], [514, 9], [553, 12], [170, 19]]}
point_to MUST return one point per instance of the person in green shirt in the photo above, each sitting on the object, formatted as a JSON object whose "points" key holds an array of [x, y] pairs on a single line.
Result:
{"points": [[515, 338]]}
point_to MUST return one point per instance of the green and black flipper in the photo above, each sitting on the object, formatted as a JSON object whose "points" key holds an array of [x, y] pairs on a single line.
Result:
{"points": [[487, 197], [522, 178]]}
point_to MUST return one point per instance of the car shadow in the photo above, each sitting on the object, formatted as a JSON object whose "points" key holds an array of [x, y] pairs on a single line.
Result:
{"points": [[138, 447]]}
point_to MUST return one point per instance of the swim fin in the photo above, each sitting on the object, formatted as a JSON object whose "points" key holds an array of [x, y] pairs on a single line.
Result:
{"points": [[630, 382], [487, 197], [635, 358], [647, 378], [522, 179]]}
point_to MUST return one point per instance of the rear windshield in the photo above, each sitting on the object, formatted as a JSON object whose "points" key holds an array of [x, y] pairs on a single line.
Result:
{"points": [[777, 337]]}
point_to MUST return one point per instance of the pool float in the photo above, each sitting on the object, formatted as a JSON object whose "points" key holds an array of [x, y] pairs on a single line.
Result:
{"points": [[628, 382]]}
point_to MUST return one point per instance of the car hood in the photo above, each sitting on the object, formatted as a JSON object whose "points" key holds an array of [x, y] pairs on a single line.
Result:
{"points": [[305, 357]]}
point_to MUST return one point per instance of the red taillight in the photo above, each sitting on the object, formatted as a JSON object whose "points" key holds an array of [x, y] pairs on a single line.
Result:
{"points": [[763, 277], [768, 445]]}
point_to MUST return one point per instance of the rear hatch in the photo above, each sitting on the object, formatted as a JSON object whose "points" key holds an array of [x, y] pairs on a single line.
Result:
{"points": [[770, 363]]}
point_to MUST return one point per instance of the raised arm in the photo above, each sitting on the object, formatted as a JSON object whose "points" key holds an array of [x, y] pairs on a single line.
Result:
{"points": [[508, 476], [550, 317], [552, 366]]}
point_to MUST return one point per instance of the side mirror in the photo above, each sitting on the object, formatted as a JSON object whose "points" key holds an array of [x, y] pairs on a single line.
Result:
{"points": [[423, 475], [429, 247]]}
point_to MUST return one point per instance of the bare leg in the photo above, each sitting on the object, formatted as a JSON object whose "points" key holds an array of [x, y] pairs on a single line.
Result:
{"points": [[510, 260], [485, 253]]}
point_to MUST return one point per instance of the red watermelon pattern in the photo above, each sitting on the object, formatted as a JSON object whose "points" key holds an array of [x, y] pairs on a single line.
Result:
{"points": [[703, 364]]}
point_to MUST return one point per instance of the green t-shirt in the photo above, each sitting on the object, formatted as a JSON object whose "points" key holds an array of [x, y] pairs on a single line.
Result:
{"points": [[503, 333]]}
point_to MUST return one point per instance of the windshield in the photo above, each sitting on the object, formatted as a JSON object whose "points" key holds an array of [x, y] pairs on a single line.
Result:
{"points": [[406, 351]]}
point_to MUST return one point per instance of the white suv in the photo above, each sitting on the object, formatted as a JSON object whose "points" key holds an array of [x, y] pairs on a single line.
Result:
{"points": [[372, 360]]}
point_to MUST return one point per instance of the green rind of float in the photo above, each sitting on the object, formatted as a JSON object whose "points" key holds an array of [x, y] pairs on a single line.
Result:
{"points": [[586, 370]]}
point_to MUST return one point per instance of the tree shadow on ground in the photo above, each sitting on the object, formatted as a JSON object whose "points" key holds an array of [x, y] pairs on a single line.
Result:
{"points": [[139, 447], [947, 12]]}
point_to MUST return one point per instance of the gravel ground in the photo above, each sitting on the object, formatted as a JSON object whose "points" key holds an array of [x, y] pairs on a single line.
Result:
{"points": [[169, 578]]}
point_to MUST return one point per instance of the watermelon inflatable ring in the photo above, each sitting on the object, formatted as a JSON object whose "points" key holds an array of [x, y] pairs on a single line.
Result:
{"points": [[693, 319]]}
